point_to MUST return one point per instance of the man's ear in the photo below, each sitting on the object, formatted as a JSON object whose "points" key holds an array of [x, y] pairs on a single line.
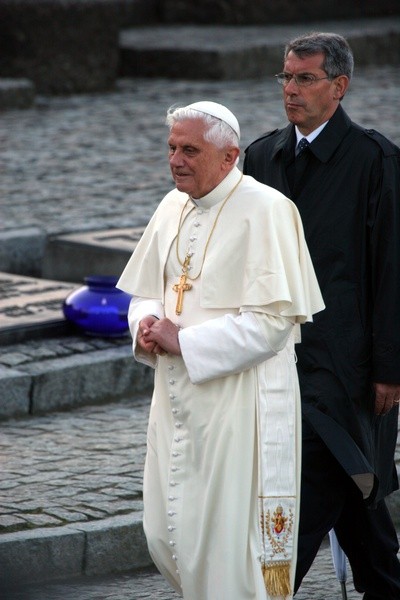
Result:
{"points": [[341, 84], [231, 156]]}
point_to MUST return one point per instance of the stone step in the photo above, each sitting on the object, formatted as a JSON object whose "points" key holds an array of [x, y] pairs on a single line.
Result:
{"points": [[31, 307], [233, 52], [67, 257], [45, 375], [46, 364], [97, 548], [72, 257], [16, 93]]}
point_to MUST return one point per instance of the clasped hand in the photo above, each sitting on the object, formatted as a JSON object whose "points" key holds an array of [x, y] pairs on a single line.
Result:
{"points": [[387, 396], [158, 336]]}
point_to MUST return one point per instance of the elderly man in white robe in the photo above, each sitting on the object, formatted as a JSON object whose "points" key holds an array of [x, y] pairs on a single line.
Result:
{"points": [[221, 281]]}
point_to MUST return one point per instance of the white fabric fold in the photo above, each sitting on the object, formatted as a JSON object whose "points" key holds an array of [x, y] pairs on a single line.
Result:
{"points": [[273, 268], [138, 309], [230, 344]]}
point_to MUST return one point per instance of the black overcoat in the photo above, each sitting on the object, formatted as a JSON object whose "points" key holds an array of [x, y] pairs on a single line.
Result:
{"points": [[347, 189]]}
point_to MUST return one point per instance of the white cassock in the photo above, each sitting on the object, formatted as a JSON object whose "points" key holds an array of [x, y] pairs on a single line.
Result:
{"points": [[224, 422]]}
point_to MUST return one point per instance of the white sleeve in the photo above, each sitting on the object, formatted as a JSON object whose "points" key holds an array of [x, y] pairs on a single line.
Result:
{"points": [[138, 309], [231, 344]]}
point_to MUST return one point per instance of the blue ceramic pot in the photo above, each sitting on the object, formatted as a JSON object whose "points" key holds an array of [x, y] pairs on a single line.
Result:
{"points": [[98, 307]]}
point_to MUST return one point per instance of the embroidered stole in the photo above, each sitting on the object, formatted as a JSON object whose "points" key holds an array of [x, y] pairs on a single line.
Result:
{"points": [[278, 470]]}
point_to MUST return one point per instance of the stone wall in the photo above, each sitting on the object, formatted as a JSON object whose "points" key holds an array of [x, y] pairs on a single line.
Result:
{"points": [[139, 12], [249, 12], [63, 46]]}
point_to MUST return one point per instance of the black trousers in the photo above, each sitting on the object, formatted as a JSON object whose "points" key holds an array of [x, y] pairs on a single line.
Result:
{"points": [[330, 499]]}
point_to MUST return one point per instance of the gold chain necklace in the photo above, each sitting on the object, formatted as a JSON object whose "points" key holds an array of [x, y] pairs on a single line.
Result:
{"points": [[183, 286]]}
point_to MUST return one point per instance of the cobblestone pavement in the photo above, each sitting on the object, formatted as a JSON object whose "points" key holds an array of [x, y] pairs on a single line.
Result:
{"points": [[73, 466], [98, 161], [25, 353]]}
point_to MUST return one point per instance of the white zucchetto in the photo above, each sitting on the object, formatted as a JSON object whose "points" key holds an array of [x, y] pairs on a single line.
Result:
{"points": [[219, 111]]}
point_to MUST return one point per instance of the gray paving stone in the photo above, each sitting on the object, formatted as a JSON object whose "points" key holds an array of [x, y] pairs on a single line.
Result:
{"points": [[8, 485], [41, 520], [10, 521], [69, 516], [13, 359]]}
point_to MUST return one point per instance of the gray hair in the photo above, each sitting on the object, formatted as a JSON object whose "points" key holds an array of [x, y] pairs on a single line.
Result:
{"points": [[218, 132], [338, 56]]}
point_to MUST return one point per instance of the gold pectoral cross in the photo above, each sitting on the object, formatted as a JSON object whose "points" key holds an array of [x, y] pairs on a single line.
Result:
{"points": [[181, 287]]}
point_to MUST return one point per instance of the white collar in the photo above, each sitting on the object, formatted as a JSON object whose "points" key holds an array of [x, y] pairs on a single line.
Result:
{"points": [[311, 136], [221, 191]]}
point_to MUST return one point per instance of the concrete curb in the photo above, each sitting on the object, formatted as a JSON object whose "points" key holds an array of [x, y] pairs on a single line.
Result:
{"points": [[109, 546], [84, 377]]}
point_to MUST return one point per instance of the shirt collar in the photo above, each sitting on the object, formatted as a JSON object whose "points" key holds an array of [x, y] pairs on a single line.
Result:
{"points": [[311, 136]]}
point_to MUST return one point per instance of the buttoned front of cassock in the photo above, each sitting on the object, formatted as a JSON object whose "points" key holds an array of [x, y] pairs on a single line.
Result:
{"points": [[196, 227]]}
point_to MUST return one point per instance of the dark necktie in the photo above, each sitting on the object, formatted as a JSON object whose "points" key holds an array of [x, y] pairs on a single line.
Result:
{"points": [[302, 145]]}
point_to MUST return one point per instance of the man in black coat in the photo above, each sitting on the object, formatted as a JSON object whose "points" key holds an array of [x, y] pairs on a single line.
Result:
{"points": [[346, 184]]}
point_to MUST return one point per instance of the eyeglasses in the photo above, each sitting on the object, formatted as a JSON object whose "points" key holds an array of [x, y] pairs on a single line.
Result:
{"points": [[302, 80]]}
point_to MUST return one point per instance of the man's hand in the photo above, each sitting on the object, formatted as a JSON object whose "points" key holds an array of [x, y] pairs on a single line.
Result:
{"points": [[142, 336], [387, 396], [164, 334]]}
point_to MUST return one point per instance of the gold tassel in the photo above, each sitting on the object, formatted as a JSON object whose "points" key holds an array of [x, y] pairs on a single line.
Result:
{"points": [[277, 579]]}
